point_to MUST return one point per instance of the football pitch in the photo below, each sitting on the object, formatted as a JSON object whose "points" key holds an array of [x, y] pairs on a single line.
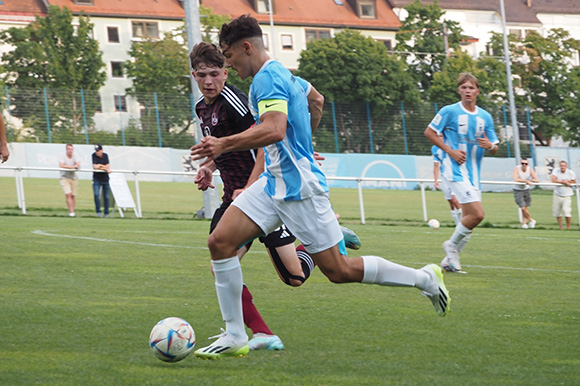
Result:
{"points": [[79, 297]]}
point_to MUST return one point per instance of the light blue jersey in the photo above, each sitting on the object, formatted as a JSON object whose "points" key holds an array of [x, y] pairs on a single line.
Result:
{"points": [[460, 129], [437, 154], [292, 174]]}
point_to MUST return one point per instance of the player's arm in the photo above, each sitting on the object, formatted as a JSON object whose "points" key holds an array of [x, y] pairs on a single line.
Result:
{"points": [[555, 179], [4, 153], [271, 130], [259, 167], [315, 107], [433, 136], [436, 174]]}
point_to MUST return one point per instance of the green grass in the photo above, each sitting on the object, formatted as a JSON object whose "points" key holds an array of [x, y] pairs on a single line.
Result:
{"points": [[78, 298]]}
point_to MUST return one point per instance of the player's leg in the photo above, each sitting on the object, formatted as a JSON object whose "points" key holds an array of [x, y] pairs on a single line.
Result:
{"points": [[252, 317], [106, 200], [96, 197], [472, 215], [315, 225], [453, 203], [236, 228], [557, 209], [567, 210]]}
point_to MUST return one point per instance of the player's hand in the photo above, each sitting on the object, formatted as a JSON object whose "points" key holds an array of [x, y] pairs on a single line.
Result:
{"points": [[459, 156], [203, 179], [436, 184], [484, 142], [210, 147], [4, 153], [318, 157], [237, 192]]}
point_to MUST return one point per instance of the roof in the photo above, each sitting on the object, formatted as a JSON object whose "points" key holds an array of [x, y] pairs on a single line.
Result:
{"points": [[147, 9], [21, 8], [320, 13], [517, 11]]}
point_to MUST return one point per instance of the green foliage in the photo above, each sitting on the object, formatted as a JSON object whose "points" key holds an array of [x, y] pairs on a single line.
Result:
{"points": [[211, 23], [50, 53], [351, 69], [421, 35]]}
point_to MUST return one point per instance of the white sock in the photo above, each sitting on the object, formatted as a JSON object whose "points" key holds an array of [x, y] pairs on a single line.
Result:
{"points": [[383, 272], [228, 285], [461, 244], [456, 214], [460, 232]]}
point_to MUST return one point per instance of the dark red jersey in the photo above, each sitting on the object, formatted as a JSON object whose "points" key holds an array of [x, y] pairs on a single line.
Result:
{"points": [[228, 115]]}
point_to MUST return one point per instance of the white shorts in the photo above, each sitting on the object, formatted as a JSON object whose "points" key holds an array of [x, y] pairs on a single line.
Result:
{"points": [[311, 220], [562, 205], [465, 192], [446, 189]]}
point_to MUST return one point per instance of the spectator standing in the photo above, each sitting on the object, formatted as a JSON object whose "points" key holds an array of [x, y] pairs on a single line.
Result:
{"points": [[101, 180], [68, 179], [524, 173], [562, 201]]}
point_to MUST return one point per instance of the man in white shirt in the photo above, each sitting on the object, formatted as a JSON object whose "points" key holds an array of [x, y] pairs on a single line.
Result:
{"points": [[68, 179], [524, 174], [562, 203]]}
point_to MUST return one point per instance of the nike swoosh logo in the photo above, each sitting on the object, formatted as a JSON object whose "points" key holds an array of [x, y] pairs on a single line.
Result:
{"points": [[270, 105]]}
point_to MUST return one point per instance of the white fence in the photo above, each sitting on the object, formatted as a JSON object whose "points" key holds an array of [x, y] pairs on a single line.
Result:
{"points": [[21, 197]]}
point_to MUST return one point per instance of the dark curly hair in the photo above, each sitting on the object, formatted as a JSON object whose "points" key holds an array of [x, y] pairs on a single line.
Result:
{"points": [[206, 53], [243, 27]]}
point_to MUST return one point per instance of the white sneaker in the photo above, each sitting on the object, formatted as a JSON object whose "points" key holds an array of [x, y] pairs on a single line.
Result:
{"points": [[525, 226], [452, 256], [226, 345], [71, 214], [435, 290], [533, 223]]}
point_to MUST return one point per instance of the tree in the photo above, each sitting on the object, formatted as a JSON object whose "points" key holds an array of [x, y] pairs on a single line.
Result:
{"points": [[422, 38], [353, 70], [50, 53]]}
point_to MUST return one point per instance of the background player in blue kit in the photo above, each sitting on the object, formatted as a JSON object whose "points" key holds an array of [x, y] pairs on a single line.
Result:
{"points": [[468, 132], [444, 185], [292, 191]]}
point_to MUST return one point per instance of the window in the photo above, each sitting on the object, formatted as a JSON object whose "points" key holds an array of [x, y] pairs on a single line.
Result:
{"points": [[388, 44], [517, 33], [117, 69], [83, 2], [145, 29], [122, 100], [266, 39], [366, 9], [315, 34], [262, 6], [113, 34], [287, 43]]}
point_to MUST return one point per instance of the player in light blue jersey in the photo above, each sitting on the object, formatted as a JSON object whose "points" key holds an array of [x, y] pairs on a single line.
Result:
{"points": [[444, 185], [467, 132], [293, 191]]}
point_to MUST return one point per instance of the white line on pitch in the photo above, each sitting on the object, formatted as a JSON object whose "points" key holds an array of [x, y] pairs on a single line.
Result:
{"points": [[39, 232], [508, 268]]}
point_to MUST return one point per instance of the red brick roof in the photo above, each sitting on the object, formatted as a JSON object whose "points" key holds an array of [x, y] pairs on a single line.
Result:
{"points": [[149, 9], [22, 8], [323, 13], [516, 11]]}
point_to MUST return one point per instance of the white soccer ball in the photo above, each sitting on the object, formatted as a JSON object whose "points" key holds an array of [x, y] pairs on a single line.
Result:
{"points": [[172, 339], [434, 223]]}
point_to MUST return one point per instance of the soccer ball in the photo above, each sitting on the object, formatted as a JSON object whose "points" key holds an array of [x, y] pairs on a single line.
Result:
{"points": [[434, 223], [172, 339]]}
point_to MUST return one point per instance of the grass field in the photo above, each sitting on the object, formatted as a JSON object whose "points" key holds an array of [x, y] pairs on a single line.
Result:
{"points": [[78, 297]]}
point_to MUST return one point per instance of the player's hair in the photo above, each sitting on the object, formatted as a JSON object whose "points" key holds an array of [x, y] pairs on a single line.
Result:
{"points": [[564, 162], [467, 77], [69, 144], [208, 54], [243, 27]]}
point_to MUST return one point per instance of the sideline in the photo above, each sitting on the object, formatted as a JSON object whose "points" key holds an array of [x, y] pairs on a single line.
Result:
{"points": [[43, 233]]}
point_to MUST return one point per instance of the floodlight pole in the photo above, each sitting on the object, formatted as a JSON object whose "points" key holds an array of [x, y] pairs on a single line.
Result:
{"points": [[193, 30], [508, 70], [271, 12]]}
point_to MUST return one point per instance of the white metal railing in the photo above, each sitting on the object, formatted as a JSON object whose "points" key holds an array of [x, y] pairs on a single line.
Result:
{"points": [[359, 180]]}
